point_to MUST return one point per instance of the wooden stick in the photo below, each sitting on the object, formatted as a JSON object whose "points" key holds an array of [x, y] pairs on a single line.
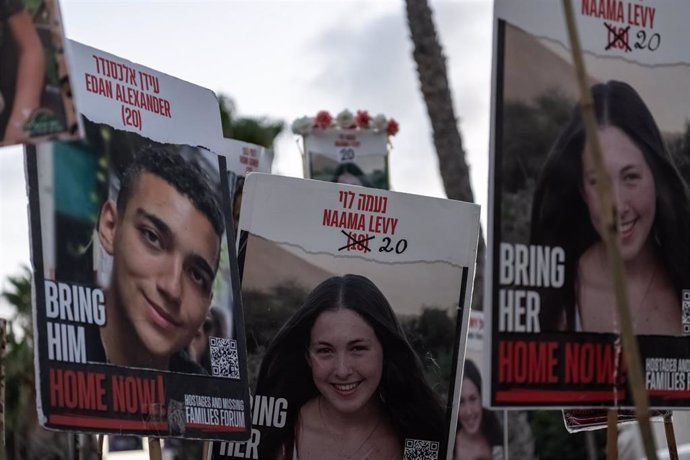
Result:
{"points": [[670, 437], [3, 347], [101, 437], [155, 449], [205, 450], [631, 352], [611, 434]]}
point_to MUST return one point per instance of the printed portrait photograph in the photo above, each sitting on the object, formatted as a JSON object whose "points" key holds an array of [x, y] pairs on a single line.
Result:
{"points": [[366, 171], [35, 96], [349, 340], [144, 224], [549, 204]]}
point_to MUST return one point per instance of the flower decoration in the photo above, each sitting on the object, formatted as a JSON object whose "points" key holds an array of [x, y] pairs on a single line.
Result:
{"points": [[323, 119], [392, 127], [302, 126], [362, 119], [380, 122], [345, 119]]}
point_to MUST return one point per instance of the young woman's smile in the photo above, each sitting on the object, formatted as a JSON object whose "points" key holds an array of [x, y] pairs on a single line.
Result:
{"points": [[346, 360]]}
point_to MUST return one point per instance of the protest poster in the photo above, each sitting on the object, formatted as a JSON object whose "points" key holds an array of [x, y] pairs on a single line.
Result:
{"points": [[473, 418], [241, 159], [306, 248], [35, 89], [349, 149], [554, 340], [138, 323]]}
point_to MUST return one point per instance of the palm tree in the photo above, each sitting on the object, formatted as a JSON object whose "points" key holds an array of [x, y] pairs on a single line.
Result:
{"points": [[433, 80], [261, 131], [24, 437], [18, 361]]}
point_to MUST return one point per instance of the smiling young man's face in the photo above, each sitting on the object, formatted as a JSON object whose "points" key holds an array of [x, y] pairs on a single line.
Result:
{"points": [[165, 255]]}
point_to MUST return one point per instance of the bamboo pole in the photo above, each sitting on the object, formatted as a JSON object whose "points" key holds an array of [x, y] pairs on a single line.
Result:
{"points": [[670, 437], [155, 449], [611, 434], [3, 347], [631, 352]]}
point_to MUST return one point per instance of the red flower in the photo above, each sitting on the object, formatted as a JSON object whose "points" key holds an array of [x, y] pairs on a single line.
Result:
{"points": [[323, 119], [392, 127], [362, 119]]}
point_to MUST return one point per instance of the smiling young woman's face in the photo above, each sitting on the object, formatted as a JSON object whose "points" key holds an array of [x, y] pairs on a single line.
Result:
{"points": [[346, 360], [470, 411], [633, 189]]}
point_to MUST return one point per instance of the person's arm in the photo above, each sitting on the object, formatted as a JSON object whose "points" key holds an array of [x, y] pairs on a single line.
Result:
{"points": [[30, 74]]}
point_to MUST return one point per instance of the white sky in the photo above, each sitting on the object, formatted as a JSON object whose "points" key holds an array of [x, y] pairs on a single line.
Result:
{"points": [[285, 59]]}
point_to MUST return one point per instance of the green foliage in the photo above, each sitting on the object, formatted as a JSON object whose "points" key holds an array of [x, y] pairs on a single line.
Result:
{"points": [[432, 337], [18, 361], [679, 147], [265, 313], [553, 442], [261, 131], [529, 131], [19, 372]]}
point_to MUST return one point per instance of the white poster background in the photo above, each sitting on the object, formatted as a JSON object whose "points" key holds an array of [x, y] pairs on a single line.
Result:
{"points": [[335, 143], [406, 217], [244, 157], [111, 90]]}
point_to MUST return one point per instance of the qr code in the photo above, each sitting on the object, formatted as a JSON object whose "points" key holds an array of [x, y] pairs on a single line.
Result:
{"points": [[418, 449], [224, 359]]}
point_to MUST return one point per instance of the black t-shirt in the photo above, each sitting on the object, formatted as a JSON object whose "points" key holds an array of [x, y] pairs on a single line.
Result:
{"points": [[179, 362]]}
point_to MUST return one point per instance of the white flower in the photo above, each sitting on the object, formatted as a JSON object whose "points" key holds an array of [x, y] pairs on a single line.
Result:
{"points": [[345, 119], [380, 122], [302, 125]]}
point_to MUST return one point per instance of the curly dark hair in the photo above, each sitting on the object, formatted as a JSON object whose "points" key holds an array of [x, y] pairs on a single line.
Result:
{"points": [[186, 176], [411, 405], [560, 215]]}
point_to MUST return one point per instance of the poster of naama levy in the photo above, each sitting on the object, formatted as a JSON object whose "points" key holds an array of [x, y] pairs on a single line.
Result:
{"points": [[553, 320], [356, 312], [137, 315]]}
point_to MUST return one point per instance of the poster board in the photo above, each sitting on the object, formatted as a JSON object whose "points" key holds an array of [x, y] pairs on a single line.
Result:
{"points": [[138, 321], [242, 158], [473, 417], [348, 149], [36, 102], [421, 278], [553, 341]]}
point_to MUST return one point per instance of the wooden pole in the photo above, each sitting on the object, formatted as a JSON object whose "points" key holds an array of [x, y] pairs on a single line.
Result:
{"points": [[631, 352], [101, 437], [611, 434], [3, 347], [155, 449], [670, 437]]}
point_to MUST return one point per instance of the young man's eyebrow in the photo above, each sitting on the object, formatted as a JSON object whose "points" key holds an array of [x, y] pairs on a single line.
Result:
{"points": [[161, 226], [203, 265], [164, 229]]}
